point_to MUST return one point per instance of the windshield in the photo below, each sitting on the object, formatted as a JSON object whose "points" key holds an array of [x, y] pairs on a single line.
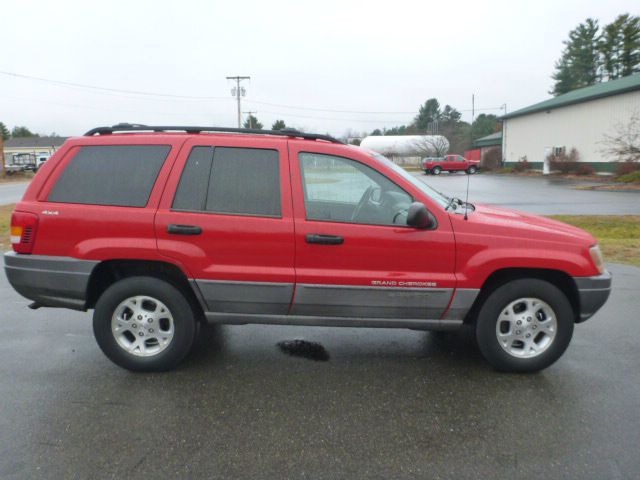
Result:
{"points": [[441, 198]]}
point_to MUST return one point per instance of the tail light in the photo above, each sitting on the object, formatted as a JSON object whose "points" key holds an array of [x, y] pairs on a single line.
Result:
{"points": [[23, 231]]}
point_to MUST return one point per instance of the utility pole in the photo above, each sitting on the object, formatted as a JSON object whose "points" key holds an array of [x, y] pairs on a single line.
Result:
{"points": [[504, 135], [250, 118], [2, 172], [238, 92]]}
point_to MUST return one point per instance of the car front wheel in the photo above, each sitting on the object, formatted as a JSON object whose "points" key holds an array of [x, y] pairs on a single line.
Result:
{"points": [[472, 170], [144, 324], [436, 170], [524, 326]]}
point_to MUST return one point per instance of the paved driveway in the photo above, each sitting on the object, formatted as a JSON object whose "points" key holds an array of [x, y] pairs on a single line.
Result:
{"points": [[545, 196], [12, 192], [387, 404]]}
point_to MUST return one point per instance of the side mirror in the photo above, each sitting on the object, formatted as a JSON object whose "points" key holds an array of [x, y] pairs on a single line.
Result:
{"points": [[419, 217]]}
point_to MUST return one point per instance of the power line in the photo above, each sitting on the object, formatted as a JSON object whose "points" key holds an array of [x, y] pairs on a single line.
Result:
{"points": [[106, 89], [205, 97]]}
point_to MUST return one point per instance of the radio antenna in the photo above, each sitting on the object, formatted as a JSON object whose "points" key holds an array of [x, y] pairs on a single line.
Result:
{"points": [[466, 200]]}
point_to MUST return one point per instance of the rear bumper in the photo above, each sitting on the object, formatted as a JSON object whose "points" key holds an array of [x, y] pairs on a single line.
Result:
{"points": [[49, 281], [593, 293]]}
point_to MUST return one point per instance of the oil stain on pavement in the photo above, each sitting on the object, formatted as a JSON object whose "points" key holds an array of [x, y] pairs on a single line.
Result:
{"points": [[304, 349]]}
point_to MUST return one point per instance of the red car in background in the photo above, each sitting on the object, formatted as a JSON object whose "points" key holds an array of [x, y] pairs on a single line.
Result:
{"points": [[449, 163]]}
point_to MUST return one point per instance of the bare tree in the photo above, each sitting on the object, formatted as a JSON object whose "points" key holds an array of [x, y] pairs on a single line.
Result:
{"points": [[624, 143], [432, 145]]}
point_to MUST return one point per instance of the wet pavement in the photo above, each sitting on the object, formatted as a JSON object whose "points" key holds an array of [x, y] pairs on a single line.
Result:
{"points": [[381, 404], [541, 195]]}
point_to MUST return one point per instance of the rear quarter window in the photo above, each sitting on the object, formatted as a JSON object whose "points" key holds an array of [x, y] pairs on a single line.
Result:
{"points": [[117, 175]]}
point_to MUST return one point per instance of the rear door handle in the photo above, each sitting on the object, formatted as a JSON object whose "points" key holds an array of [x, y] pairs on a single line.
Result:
{"points": [[324, 239], [184, 229]]}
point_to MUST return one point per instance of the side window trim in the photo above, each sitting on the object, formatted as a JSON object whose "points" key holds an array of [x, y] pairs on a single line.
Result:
{"points": [[203, 209], [361, 164], [80, 158]]}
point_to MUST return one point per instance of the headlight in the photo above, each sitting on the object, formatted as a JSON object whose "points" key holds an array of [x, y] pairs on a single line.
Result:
{"points": [[596, 256]]}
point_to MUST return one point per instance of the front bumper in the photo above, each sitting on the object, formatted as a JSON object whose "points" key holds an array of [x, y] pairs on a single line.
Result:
{"points": [[593, 293], [49, 281]]}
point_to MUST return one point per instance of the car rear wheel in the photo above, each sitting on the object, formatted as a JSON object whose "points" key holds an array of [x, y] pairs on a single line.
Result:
{"points": [[524, 326], [471, 170], [436, 170], [144, 324]]}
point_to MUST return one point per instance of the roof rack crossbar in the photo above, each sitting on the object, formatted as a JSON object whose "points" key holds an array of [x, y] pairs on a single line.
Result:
{"points": [[135, 127]]}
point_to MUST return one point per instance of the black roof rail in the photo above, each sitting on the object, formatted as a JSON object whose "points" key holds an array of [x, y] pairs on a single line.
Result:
{"points": [[135, 127]]}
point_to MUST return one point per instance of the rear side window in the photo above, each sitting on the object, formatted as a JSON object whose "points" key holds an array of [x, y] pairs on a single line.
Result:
{"points": [[119, 175], [236, 181]]}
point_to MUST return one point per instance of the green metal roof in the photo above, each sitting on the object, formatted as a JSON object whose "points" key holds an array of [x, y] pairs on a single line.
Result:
{"points": [[489, 140], [600, 90]]}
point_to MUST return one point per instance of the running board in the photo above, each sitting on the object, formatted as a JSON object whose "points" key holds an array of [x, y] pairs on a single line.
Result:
{"points": [[312, 321]]}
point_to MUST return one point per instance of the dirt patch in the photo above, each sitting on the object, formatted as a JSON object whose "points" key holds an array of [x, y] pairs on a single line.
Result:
{"points": [[16, 177], [611, 187], [5, 224]]}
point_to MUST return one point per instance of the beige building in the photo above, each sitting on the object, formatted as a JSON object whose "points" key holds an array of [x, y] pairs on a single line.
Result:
{"points": [[579, 119], [38, 146]]}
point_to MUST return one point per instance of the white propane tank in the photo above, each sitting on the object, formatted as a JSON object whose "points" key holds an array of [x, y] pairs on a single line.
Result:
{"points": [[407, 145]]}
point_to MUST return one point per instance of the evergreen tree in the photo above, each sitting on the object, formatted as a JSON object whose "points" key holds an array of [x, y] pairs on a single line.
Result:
{"points": [[19, 132], [579, 64], [278, 125], [620, 47], [5, 132], [252, 122], [427, 115]]}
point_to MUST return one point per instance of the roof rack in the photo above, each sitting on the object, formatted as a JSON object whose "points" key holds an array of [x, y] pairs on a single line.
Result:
{"points": [[135, 127]]}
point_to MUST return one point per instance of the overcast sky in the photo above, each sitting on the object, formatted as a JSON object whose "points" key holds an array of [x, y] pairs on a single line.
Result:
{"points": [[345, 56]]}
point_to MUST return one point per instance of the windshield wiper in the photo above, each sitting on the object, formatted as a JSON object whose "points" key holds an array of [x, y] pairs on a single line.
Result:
{"points": [[453, 202]]}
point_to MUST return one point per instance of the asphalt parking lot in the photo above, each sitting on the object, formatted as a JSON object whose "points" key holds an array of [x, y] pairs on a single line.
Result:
{"points": [[386, 404], [367, 404], [540, 195]]}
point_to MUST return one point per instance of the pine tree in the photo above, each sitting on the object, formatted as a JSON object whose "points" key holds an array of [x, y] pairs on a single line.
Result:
{"points": [[620, 47], [4, 131], [579, 64]]}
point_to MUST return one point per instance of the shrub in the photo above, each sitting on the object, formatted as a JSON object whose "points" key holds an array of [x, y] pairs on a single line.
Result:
{"points": [[625, 168], [633, 177], [492, 159], [565, 163], [522, 165], [584, 170]]}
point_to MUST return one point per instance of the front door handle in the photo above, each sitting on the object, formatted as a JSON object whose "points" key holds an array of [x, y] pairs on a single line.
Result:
{"points": [[184, 229], [324, 239]]}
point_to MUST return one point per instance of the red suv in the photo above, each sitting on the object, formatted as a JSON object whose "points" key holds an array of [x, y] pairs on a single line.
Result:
{"points": [[159, 228]]}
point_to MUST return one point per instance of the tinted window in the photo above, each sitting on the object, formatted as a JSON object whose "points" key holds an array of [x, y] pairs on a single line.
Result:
{"points": [[343, 190], [244, 181], [192, 190], [111, 175]]}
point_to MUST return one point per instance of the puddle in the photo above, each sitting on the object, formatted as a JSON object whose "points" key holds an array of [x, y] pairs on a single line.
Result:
{"points": [[304, 349]]}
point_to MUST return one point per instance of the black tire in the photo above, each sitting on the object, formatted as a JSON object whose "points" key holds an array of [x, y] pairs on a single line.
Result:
{"points": [[498, 300], [436, 170], [426, 171], [472, 170], [181, 311]]}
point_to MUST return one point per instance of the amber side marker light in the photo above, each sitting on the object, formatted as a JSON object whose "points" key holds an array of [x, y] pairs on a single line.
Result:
{"points": [[596, 256]]}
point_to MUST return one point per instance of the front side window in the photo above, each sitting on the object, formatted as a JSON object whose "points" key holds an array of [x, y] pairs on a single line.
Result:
{"points": [[342, 190], [116, 175], [235, 181]]}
